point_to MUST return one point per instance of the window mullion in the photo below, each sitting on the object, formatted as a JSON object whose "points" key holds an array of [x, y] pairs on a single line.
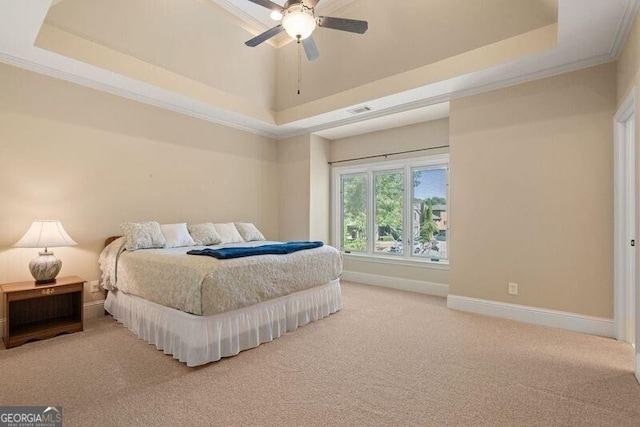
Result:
{"points": [[371, 221], [408, 210]]}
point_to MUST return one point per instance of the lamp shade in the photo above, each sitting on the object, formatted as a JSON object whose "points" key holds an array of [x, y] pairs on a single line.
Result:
{"points": [[298, 22], [45, 234]]}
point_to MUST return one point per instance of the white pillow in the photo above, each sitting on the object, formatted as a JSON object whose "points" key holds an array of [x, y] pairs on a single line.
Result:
{"points": [[177, 235], [228, 233], [248, 231], [204, 234], [142, 235]]}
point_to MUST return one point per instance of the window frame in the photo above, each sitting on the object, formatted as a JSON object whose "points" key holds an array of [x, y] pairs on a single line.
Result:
{"points": [[370, 169], [374, 203], [340, 229]]}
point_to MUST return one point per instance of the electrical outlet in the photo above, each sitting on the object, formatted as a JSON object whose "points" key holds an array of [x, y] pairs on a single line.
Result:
{"points": [[94, 286], [513, 288]]}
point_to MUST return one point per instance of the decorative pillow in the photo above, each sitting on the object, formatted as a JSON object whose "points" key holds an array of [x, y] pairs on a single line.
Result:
{"points": [[248, 231], [176, 235], [204, 234], [142, 235], [228, 233]]}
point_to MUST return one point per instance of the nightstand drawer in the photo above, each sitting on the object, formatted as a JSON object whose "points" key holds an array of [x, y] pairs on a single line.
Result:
{"points": [[44, 291]]}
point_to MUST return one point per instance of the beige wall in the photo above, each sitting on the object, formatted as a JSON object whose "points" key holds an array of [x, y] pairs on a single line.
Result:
{"points": [[294, 173], [304, 176], [95, 160], [319, 189], [412, 137], [629, 63], [531, 193]]}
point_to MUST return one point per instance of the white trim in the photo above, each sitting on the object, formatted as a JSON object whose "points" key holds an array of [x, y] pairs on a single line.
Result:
{"points": [[428, 288], [300, 127], [534, 315], [93, 309], [638, 366], [369, 169], [166, 100], [21, 20], [397, 260], [624, 206], [2, 328], [244, 15], [624, 28]]}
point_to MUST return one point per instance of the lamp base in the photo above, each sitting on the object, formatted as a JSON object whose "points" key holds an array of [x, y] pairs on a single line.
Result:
{"points": [[45, 268]]}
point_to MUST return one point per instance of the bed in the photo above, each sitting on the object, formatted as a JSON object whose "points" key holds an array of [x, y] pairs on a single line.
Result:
{"points": [[199, 309]]}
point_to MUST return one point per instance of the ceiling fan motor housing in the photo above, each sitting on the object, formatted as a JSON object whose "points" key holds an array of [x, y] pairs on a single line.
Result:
{"points": [[294, 2]]}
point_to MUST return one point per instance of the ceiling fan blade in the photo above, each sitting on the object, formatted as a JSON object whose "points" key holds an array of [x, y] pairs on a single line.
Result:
{"points": [[350, 25], [268, 4], [265, 36], [310, 48], [310, 3]]}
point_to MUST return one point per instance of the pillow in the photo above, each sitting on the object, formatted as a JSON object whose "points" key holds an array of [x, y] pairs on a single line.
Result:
{"points": [[228, 233], [204, 234], [248, 231], [142, 235], [176, 235]]}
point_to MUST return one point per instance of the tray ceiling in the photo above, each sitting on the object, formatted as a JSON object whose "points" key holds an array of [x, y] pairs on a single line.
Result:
{"points": [[87, 42]]}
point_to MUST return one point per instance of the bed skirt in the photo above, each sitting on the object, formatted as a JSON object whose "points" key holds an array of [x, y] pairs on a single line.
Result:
{"points": [[196, 340]]}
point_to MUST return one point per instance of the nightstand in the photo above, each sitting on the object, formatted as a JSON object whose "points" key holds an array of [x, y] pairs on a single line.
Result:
{"points": [[35, 312]]}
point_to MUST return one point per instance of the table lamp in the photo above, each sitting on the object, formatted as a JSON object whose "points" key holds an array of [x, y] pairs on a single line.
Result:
{"points": [[45, 234]]}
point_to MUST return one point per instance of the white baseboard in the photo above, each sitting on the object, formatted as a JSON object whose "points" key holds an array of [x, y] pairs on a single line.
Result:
{"points": [[92, 310], [429, 288], [537, 316]]}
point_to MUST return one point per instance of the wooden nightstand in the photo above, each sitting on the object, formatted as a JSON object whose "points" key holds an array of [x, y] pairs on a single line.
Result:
{"points": [[44, 311]]}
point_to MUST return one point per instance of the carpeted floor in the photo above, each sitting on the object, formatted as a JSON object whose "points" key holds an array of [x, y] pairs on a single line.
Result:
{"points": [[388, 358]]}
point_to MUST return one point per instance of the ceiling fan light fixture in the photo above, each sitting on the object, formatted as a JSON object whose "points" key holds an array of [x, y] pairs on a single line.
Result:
{"points": [[298, 22], [276, 16]]}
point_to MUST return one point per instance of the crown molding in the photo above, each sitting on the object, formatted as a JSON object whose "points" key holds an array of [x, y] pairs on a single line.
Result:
{"points": [[624, 27], [134, 96], [332, 6], [297, 131], [478, 82], [246, 17], [425, 102]]}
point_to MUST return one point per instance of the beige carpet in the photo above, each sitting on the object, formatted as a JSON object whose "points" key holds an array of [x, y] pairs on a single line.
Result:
{"points": [[388, 358]]}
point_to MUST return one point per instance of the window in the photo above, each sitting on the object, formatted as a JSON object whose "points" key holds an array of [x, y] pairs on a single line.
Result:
{"points": [[429, 225], [393, 209], [354, 212], [389, 211]]}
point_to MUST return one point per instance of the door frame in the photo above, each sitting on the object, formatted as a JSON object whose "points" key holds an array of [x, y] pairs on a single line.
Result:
{"points": [[626, 221]]}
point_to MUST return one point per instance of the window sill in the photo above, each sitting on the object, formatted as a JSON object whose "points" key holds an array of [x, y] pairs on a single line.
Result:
{"points": [[412, 262]]}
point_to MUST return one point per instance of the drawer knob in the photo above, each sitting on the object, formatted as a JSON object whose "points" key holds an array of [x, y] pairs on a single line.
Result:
{"points": [[48, 291]]}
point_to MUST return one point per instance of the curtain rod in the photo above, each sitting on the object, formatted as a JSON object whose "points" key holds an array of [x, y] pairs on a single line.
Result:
{"points": [[388, 154]]}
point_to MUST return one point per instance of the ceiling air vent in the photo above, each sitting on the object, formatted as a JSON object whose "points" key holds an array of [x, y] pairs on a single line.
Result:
{"points": [[359, 110]]}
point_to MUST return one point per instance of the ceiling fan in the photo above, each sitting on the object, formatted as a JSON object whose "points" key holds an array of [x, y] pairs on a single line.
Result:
{"points": [[299, 21]]}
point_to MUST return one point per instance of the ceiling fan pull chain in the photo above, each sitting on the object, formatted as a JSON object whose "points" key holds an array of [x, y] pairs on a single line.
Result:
{"points": [[299, 64]]}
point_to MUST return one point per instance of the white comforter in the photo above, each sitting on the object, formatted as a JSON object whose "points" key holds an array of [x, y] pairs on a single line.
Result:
{"points": [[204, 285]]}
